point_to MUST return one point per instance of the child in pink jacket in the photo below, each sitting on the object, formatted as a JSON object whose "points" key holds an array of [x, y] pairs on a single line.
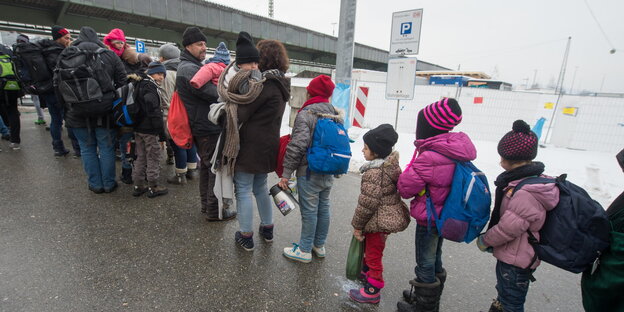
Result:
{"points": [[213, 69], [513, 216], [431, 171]]}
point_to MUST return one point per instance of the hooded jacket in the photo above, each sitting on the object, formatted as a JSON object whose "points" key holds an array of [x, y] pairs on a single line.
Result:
{"points": [[522, 212], [261, 121], [380, 208], [433, 168], [148, 98], [196, 101], [113, 69]]}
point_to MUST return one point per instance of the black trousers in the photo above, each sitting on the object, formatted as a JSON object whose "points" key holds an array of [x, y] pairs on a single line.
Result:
{"points": [[206, 146], [9, 113]]}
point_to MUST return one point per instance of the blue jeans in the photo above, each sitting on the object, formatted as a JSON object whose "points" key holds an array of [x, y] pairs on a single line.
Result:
{"points": [[183, 156], [512, 284], [314, 203], [57, 113], [428, 254], [123, 145], [244, 185], [98, 156], [3, 128]]}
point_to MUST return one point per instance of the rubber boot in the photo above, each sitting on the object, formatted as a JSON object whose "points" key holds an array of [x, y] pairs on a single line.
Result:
{"points": [[126, 175], [426, 297]]}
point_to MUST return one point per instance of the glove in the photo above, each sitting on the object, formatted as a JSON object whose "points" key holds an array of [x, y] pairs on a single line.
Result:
{"points": [[481, 244]]}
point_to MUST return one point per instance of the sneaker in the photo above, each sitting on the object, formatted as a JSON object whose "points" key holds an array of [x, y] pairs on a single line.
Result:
{"points": [[96, 190], [367, 294], [6, 137], [266, 232], [139, 190], [295, 253], [39, 122], [244, 241], [156, 190], [319, 251], [61, 153], [15, 146]]}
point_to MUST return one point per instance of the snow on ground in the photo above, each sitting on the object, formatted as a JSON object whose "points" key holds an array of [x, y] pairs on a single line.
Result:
{"points": [[597, 172]]}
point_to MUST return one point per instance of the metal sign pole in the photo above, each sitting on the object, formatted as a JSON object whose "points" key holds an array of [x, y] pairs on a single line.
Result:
{"points": [[396, 118]]}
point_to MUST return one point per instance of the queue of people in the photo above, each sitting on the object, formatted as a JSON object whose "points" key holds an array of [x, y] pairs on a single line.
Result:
{"points": [[235, 110]]}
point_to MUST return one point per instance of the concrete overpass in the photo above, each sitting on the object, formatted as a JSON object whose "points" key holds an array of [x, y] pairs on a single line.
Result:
{"points": [[165, 20]]}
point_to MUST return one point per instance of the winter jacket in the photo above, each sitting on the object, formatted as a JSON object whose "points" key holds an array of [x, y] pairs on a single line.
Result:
{"points": [[380, 208], [434, 168], [261, 121], [115, 34], [208, 73], [51, 51], [114, 69], [525, 211], [301, 136], [196, 101], [168, 85], [148, 98]]}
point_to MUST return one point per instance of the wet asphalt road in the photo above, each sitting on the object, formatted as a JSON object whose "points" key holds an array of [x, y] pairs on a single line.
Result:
{"points": [[64, 248]]}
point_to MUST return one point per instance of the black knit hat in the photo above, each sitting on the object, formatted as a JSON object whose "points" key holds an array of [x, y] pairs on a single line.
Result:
{"points": [[246, 51], [192, 35], [518, 144], [58, 32], [437, 118], [381, 140]]}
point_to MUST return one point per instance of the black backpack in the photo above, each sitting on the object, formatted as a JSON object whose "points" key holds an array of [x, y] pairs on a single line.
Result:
{"points": [[127, 112], [82, 81], [575, 232], [30, 54]]}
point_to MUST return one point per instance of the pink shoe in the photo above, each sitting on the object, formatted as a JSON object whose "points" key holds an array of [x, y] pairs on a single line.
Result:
{"points": [[367, 294]]}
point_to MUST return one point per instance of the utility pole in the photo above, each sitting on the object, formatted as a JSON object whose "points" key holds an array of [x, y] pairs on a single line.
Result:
{"points": [[344, 58], [564, 64], [271, 7], [534, 77], [573, 79]]}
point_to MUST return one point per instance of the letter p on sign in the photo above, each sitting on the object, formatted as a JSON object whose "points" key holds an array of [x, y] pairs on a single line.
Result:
{"points": [[406, 28]]}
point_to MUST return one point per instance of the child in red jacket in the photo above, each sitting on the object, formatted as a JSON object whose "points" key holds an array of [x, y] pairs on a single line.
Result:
{"points": [[213, 69]]}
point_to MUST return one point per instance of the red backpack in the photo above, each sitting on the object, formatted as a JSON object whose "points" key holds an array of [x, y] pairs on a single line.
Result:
{"points": [[178, 123]]}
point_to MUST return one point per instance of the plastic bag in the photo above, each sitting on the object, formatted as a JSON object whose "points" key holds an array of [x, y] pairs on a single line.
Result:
{"points": [[354, 259]]}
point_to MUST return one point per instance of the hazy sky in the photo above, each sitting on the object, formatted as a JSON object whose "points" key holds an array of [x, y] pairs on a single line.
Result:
{"points": [[513, 38]]}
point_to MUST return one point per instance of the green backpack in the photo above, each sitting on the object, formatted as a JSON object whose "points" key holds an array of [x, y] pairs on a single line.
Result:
{"points": [[8, 78]]}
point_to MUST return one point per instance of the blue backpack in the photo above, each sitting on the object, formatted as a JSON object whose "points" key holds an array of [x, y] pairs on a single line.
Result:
{"points": [[575, 232], [466, 210], [127, 111], [330, 151]]}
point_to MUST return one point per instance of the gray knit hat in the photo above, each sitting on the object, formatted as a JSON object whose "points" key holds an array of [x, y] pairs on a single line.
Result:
{"points": [[169, 51]]}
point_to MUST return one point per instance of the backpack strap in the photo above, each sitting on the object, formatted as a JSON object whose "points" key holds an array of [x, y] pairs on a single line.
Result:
{"points": [[533, 180]]}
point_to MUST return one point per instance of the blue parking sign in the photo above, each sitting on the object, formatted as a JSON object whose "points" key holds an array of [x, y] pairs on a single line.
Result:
{"points": [[406, 28], [140, 46]]}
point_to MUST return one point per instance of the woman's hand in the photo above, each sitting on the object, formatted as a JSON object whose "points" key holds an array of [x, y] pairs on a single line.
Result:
{"points": [[283, 183], [358, 235]]}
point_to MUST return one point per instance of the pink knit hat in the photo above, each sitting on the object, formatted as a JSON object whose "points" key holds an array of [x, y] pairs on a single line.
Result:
{"points": [[439, 117]]}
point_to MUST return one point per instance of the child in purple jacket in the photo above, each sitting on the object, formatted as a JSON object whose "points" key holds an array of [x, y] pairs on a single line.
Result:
{"points": [[513, 217], [431, 170]]}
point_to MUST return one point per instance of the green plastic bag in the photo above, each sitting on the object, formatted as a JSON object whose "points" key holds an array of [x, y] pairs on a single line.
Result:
{"points": [[602, 291], [354, 259]]}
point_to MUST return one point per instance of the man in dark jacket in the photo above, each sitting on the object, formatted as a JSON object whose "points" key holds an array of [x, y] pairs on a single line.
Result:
{"points": [[95, 134], [61, 38], [197, 103]]}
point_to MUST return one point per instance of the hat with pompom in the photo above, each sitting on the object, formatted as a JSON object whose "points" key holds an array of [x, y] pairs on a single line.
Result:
{"points": [[518, 144]]}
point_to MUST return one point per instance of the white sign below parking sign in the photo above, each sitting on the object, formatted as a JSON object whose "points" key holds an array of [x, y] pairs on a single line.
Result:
{"points": [[405, 33]]}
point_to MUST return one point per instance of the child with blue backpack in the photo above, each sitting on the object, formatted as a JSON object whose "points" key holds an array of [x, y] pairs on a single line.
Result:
{"points": [[380, 210], [430, 174], [514, 216], [313, 187]]}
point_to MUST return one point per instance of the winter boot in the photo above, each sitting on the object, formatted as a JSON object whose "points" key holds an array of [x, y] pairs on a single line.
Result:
{"points": [[126, 175], [139, 189], [156, 190], [266, 232], [407, 294], [367, 294], [425, 297], [192, 174], [363, 274], [496, 306], [178, 179]]}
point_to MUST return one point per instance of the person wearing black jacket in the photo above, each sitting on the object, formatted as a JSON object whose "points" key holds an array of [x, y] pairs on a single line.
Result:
{"points": [[197, 103], [149, 132], [96, 134]]}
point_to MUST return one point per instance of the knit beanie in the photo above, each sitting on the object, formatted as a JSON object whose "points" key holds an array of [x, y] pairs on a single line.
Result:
{"points": [[192, 35], [518, 144], [168, 51], [58, 32], [321, 86], [246, 51], [437, 118], [221, 55], [381, 140], [156, 67], [22, 38]]}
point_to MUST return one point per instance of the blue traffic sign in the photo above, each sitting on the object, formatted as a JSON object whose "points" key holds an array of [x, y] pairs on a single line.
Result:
{"points": [[140, 46]]}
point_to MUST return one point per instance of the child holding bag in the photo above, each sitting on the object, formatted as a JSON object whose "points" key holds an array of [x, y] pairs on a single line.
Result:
{"points": [[380, 210]]}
